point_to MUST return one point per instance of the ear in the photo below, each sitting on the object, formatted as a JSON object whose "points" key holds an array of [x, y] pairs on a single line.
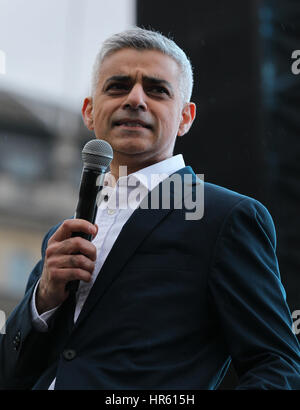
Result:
{"points": [[87, 113], [187, 117]]}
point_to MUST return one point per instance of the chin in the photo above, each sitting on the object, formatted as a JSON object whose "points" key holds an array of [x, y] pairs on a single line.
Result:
{"points": [[130, 146]]}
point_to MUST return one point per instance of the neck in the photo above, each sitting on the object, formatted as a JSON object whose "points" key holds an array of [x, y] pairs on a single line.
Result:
{"points": [[131, 164]]}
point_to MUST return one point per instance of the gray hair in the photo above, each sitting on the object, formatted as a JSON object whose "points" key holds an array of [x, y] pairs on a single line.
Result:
{"points": [[142, 39]]}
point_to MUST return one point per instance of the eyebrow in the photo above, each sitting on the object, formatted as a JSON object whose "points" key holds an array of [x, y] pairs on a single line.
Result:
{"points": [[147, 79]]}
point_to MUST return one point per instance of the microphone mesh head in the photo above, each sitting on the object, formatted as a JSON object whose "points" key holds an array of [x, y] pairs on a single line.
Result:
{"points": [[97, 154]]}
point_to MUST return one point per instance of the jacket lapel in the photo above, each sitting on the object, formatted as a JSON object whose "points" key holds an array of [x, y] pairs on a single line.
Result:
{"points": [[142, 221]]}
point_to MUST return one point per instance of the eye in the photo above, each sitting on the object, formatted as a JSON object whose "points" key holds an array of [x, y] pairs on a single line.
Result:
{"points": [[158, 90], [117, 88]]}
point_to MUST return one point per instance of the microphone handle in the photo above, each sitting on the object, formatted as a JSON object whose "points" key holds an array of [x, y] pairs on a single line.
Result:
{"points": [[86, 207]]}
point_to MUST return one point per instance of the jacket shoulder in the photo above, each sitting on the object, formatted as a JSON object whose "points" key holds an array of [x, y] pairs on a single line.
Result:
{"points": [[218, 196]]}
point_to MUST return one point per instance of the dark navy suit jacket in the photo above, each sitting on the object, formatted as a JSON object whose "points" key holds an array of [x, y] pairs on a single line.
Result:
{"points": [[176, 300]]}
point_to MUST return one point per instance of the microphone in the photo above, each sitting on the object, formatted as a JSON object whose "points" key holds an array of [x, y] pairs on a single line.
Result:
{"points": [[96, 157]]}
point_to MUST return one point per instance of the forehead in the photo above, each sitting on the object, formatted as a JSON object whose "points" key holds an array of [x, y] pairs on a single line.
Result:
{"points": [[130, 62]]}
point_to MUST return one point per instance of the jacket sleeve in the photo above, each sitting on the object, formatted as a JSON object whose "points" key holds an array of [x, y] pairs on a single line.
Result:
{"points": [[23, 349], [250, 301]]}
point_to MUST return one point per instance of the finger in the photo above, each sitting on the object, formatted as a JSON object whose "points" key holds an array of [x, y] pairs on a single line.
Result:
{"points": [[71, 261], [73, 246], [73, 225], [76, 245], [66, 275], [97, 228]]}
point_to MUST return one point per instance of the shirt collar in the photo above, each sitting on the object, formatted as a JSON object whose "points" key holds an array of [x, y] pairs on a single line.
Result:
{"points": [[149, 176]]}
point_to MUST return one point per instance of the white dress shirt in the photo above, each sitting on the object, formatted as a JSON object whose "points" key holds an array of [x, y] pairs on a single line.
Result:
{"points": [[117, 202]]}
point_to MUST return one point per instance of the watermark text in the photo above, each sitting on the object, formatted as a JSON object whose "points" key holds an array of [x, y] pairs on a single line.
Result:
{"points": [[155, 191], [2, 322], [295, 67], [2, 62], [296, 321]]}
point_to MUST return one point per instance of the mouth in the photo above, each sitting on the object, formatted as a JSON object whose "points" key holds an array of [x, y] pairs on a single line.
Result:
{"points": [[130, 123]]}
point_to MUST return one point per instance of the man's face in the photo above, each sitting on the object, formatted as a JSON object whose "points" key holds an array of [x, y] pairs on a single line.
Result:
{"points": [[137, 106]]}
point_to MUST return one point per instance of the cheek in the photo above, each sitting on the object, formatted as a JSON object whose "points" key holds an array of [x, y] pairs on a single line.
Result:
{"points": [[171, 124], [101, 118]]}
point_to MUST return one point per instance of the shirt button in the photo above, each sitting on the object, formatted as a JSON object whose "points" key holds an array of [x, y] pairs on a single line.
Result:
{"points": [[69, 354], [111, 211]]}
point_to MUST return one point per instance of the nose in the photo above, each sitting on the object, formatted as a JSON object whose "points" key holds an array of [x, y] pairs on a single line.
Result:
{"points": [[136, 99]]}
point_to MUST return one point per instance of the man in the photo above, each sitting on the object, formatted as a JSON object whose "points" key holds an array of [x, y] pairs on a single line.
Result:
{"points": [[164, 302]]}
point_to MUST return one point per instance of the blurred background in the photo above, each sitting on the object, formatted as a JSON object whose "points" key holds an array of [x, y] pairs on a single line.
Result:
{"points": [[245, 137]]}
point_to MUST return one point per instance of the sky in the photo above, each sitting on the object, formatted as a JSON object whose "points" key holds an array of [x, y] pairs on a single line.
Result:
{"points": [[47, 47]]}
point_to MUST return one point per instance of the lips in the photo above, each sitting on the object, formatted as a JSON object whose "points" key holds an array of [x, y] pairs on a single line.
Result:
{"points": [[132, 123]]}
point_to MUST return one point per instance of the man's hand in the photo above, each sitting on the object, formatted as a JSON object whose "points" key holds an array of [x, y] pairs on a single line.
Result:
{"points": [[66, 259]]}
